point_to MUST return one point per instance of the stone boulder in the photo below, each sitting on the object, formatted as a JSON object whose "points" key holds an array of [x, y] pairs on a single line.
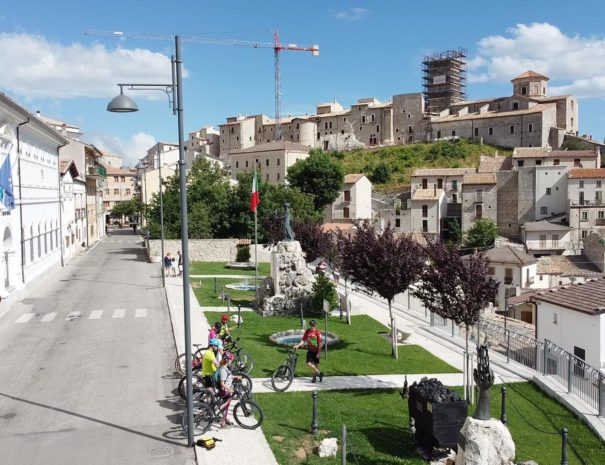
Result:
{"points": [[485, 442], [328, 447]]}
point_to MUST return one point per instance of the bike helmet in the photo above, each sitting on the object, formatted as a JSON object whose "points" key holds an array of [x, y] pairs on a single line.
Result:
{"points": [[229, 356], [224, 318], [214, 342]]}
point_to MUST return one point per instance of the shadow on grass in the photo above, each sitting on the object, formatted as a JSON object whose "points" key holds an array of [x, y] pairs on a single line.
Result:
{"points": [[390, 440]]}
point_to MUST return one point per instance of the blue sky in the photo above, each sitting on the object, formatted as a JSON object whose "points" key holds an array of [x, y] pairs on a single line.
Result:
{"points": [[368, 49]]}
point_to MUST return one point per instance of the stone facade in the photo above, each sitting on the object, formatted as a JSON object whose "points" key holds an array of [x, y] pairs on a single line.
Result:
{"points": [[526, 194], [479, 201], [507, 216], [410, 125], [594, 249], [206, 250]]}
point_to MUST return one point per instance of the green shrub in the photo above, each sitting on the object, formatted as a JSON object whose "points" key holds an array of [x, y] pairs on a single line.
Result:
{"points": [[323, 289], [243, 254]]}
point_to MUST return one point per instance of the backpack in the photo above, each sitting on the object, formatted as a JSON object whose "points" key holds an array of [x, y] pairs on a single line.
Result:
{"points": [[216, 377], [207, 443]]}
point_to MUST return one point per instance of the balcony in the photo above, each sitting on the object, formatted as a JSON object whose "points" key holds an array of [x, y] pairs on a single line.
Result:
{"points": [[96, 171], [600, 222]]}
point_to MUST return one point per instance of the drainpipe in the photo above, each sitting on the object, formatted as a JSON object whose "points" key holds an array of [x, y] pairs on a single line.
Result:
{"points": [[21, 201], [60, 204]]}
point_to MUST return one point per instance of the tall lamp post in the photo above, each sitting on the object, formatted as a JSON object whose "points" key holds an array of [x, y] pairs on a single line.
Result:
{"points": [[124, 104], [161, 215]]}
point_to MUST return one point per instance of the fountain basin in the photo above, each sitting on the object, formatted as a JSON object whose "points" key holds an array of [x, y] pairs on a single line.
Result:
{"points": [[242, 286], [292, 337], [241, 265]]}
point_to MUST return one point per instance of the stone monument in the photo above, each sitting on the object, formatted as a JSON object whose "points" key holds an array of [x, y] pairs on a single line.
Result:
{"points": [[292, 280], [484, 440]]}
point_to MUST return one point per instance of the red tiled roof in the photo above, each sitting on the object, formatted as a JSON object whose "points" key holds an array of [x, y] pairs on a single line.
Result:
{"points": [[588, 297], [531, 74], [586, 173], [353, 178]]}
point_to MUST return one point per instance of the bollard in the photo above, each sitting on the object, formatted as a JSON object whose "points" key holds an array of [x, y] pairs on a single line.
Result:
{"points": [[229, 303], [507, 346], [214, 285], [239, 315], [314, 421], [344, 446], [564, 447], [503, 418]]}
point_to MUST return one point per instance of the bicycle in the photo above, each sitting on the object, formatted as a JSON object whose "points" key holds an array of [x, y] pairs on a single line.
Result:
{"points": [[243, 363], [282, 377], [247, 413], [196, 359], [200, 389]]}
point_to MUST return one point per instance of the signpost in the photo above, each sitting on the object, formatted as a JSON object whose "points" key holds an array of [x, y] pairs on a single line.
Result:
{"points": [[326, 312]]}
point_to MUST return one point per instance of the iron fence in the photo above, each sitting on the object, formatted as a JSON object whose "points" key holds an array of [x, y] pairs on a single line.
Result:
{"points": [[548, 359]]}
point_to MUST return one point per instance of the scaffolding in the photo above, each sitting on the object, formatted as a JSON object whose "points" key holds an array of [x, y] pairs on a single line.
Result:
{"points": [[444, 79]]}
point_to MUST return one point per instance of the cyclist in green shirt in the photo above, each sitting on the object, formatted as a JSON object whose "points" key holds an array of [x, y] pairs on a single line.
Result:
{"points": [[211, 361]]}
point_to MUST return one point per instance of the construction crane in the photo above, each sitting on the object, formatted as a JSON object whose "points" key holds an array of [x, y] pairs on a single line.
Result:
{"points": [[277, 47]]}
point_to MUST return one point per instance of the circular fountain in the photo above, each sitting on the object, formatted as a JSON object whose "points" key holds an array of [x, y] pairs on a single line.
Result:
{"points": [[242, 286], [292, 337]]}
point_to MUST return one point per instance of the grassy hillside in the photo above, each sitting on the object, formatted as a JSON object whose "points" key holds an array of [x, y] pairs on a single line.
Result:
{"points": [[395, 164]]}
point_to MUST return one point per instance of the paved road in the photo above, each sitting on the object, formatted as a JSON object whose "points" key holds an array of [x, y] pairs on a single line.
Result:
{"points": [[85, 366]]}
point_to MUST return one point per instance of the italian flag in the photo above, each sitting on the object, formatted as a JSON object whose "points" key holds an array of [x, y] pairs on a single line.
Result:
{"points": [[255, 196]]}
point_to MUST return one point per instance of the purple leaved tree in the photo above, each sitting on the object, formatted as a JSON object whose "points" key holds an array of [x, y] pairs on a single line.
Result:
{"points": [[381, 262], [456, 287]]}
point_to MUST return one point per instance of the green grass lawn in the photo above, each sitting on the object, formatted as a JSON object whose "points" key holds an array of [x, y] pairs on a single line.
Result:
{"points": [[207, 297], [363, 350], [377, 422], [221, 268]]}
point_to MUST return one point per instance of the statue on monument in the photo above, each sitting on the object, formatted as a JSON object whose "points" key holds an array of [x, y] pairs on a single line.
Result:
{"points": [[288, 232], [484, 378]]}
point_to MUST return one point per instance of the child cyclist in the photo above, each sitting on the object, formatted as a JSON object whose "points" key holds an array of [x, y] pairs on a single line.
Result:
{"points": [[225, 382]]}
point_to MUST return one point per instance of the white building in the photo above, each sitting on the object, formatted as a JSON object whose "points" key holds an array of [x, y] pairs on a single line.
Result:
{"points": [[73, 210], [551, 191], [354, 201], [586, 205], [546, 238], [573, 317], [546, 156], [429, 206], [30, 148]]}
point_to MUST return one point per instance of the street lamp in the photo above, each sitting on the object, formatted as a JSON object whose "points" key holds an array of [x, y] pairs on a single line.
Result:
{"points": [[162, 216], [124, 104]]}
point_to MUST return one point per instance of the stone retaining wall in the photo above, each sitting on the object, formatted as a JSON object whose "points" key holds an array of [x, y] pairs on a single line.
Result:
{"points": [[205, 250]]}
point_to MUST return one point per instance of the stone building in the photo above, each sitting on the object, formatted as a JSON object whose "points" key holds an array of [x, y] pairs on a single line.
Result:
{"points": [[410, 121], [479, 198], [119, 187], [205, 141], [586, 205], [354, 201]]}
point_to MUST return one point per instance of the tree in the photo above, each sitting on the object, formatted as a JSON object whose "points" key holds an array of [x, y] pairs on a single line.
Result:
{"points": [[381, 174], [456, 287], [128, 208], [381, 262], [319, 175], [323, 289], [481, 235]]}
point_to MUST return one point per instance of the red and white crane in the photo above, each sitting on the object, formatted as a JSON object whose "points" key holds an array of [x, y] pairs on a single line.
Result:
{"points": [[277, 47]]}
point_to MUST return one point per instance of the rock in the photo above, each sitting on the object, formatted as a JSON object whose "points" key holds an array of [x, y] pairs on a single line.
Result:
{"points": [[529, 462], [278, 438], [485, 442], [301, 453], [328, 447]]}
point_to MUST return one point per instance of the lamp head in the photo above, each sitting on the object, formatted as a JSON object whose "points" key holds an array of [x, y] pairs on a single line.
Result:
{"points": [[122, 104]]}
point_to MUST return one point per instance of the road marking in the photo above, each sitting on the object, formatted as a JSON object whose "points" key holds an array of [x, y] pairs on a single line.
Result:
{"points": [[72, 316], [140, 313], [25, 318], [119, 313], [48, 317], [95, 314]]}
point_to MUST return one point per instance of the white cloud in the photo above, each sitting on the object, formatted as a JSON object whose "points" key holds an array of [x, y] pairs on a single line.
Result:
{"points": [[33, 67], [131, 150], [578, 62], [352, 14]]}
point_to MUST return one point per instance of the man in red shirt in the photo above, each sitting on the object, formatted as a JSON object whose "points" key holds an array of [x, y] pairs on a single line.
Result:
{"points": [[312, 338]]}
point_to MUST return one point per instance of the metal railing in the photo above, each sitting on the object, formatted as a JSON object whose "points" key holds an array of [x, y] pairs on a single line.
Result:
{"points": [[548, 359]]}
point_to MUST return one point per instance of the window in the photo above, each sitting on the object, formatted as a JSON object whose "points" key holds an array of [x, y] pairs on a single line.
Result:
{"points": [[246, 163], [116, 179], [548, 191], [438, 134], [491, 270], [453, 133], [378, 128], [344, 119], [116, 192], [363, 119], [520, 163], [584, 234], [478, 211], [439, 183], [455, 198], [123, 179], [425, 211], [345, 212], [577, 162], [542, 241], [360, 129], [538, 162], [372, 119], [278, 161], [410, 131], [454, 185], [425, 226], [508, 276], [515, 105], [530, 127], [347, 196], [476, 132], [267, 162], [581, 198], [544, 210], [598, 183], [478, 195], [581, 186], [554, 318], [397, 223], [601, 214], [556, 161], [555, 241], [127, 191], [490, 131], [267, 177], [584, 216], [237, 164], [511, 129], [425, 183], [523, 90]]}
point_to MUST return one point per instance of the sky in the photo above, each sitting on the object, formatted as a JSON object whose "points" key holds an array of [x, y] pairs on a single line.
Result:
{"points": [[52, 63]]}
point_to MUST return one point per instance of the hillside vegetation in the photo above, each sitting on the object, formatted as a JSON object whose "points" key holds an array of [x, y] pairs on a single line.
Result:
{"points": [[389, 168]]}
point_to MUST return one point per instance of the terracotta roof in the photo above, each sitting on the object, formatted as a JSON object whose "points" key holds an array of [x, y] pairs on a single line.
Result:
{"points": [[271, 146], [479, 178], [586, 173], [119, 171], [508, 254], [588, 297], [427, 194], [531, 152], [442, 171], [494, 164], [532, 75], [521, 298], [69, 165], [328, 227], [353, 178], [572, 154], [568, 265], [540, 107]]}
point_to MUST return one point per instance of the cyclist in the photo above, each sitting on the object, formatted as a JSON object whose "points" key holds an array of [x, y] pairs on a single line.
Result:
{"points": [[214, 331], [224, 332], [312, 338], [211, 361], [225, 382]]}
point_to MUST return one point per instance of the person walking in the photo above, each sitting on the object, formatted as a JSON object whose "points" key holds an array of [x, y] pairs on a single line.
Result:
{"points": [[173, 267], [167, 264], [312, 339], [180, 263]]}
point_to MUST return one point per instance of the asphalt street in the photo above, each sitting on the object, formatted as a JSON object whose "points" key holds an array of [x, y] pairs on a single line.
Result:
{"points": [[86, 363]]}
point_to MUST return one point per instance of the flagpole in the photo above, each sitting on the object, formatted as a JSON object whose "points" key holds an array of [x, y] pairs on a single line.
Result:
{"points": [[256, 247]]}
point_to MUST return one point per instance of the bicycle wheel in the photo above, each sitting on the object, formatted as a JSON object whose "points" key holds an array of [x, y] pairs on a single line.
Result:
{"points": [[243, 361], [203, 416], [246, 382], [248, 414], [182, 388], [282, 378], [179, 363]]}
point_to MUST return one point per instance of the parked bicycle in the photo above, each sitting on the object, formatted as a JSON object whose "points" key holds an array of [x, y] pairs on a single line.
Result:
{"points": [[196, 359], [247, 413], [284, 375], [243, 362], [198, 384]]}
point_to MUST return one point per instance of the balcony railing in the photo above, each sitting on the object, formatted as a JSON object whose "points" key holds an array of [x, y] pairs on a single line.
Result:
{"points": [[96, 170], [600, 222]]}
